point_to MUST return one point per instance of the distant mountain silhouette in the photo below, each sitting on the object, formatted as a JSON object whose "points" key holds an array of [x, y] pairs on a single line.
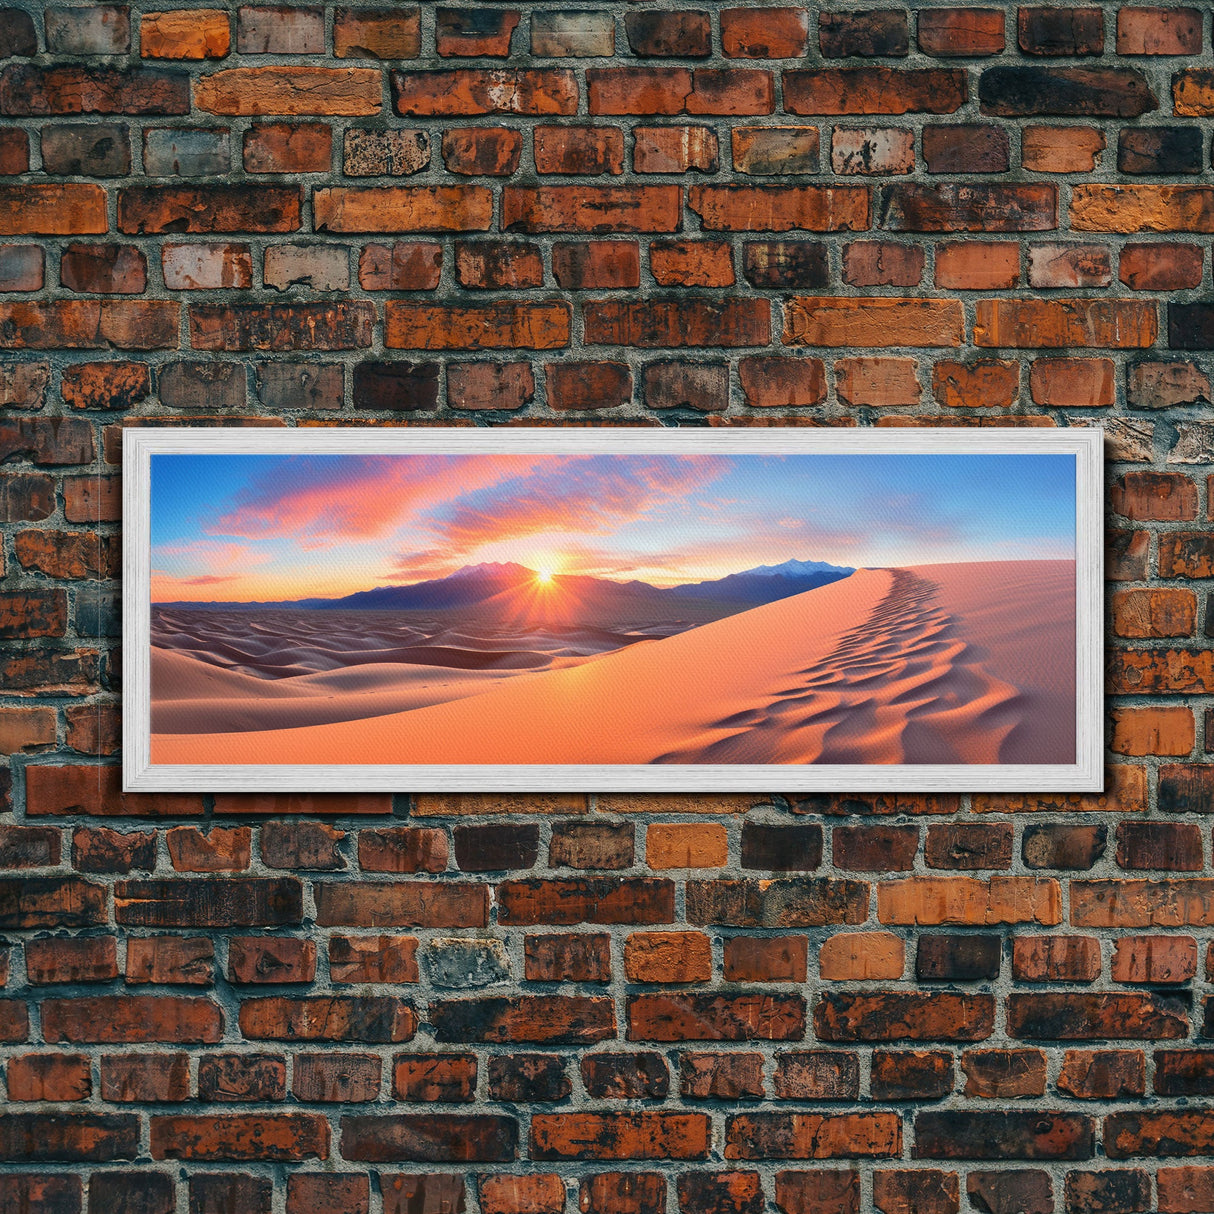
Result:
{"points": [[766, 583], [508, 585]]}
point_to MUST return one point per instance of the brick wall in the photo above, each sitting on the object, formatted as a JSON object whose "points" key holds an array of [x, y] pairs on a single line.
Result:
{"points": [[615, 1004]]}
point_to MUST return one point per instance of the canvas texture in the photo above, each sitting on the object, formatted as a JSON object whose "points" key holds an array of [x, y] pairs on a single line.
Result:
{"points": [[595, 215]]}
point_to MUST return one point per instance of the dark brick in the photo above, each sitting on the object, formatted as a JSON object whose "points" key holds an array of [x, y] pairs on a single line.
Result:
{"points": [[683, 34], [1061, 31], [496, 848], [781, 848], [785, 263], [966, 1134], [911, 1074], [1160, 150], [1097, 92], [956, 958], [1055, 846], [395, 385], [866, 34], [528, 1077], [639, 1076]]}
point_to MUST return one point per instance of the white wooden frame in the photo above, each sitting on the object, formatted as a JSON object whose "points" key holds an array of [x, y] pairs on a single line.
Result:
{"points": [[1085, 775]]}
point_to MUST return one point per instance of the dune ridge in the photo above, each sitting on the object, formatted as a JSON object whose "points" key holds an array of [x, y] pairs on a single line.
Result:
{"points": [[969, 663]]}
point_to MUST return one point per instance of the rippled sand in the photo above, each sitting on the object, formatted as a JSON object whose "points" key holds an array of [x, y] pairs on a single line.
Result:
{"points": [[966, 663]]}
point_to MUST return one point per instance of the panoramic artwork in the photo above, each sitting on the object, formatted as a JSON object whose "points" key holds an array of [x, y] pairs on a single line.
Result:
{"points": [[574, 608]]}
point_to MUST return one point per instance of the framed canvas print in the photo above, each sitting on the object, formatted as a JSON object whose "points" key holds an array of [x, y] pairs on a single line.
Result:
{"points": [[463, 609]]}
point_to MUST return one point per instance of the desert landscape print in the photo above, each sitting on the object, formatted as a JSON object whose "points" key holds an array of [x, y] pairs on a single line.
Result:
{"points": [[624, 608]]}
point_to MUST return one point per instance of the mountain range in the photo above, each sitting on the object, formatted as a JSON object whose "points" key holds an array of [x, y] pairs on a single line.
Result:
{"points": [[502, 582]]}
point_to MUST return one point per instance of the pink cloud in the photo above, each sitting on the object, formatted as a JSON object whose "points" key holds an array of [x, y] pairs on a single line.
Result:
{"points": [[359, 498], [590, 496]]}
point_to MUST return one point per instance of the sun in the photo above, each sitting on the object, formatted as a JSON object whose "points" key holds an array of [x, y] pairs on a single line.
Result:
{"points": [[543, 575]]}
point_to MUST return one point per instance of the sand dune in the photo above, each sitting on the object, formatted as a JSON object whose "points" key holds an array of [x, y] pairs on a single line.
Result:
{"points": [[969, 663]]}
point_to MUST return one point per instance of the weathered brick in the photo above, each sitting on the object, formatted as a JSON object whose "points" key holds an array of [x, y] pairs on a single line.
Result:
{"points": [[289, 90], [874, 90]]}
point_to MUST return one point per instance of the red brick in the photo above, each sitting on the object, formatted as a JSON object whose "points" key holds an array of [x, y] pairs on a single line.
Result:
{"points": [[169, 960], [1159, 31], [679, 90], [482, 151], [596, 264], [374, 1018], [972, 207], [286, 147], [573, 957], [794, 383], [703, 1016], [377, 959], [71, 960], [434, 1077], [468, 92], [1072, 382], [631, 1135], [222, 849], [588, 150], [402, 209], [430, 1138], [496, 326], [401, 904], [270, 959], [208, 209], [876, 1135], [103, 269], [1055, 958], [1159, 496], [1170, 612], [921, 1191], [875, 263], [1102, 1074], [376, 33], [185, 34], [764, 33], [985, 384], [486, 32], [1154, 960], [35, 1077], [870, 151], [1153, 731], [290, 90], [1161, 267], [874, 321], [132, 1018], [656, 323], [14, 152], [322, 1193], [569, 208], [499, 265], [89, 324], [21, 268], [536, 1194], [674, 149], [1029, 323], [691, 263], [978, 265], [810, 208], [336, 1078], [243, 1137], [278, 327], [583, 385]]}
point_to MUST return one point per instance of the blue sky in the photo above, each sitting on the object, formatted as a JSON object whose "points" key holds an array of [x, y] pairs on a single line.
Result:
{"points": [[228, 527]]}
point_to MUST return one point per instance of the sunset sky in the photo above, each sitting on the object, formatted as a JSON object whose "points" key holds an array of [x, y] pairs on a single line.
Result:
{"points": [[255, 527]]}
